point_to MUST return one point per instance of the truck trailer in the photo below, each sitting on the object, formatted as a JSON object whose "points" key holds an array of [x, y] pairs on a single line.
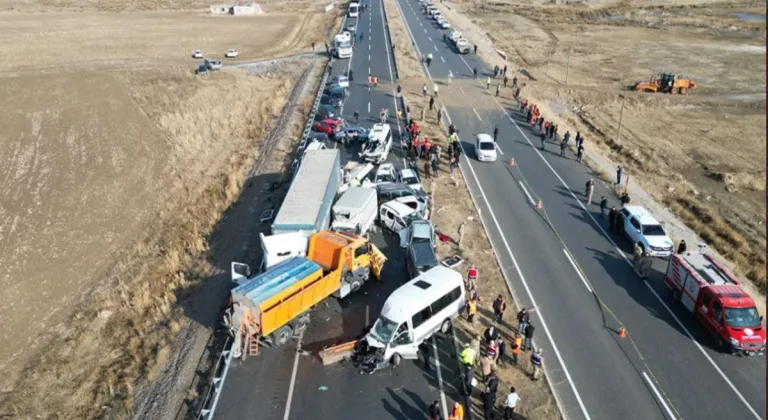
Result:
{"points": [[272, 306], [307, 206], [714, 297]]}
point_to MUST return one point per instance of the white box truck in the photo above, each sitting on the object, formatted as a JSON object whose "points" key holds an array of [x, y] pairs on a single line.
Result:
{"points": [[355, 211]]}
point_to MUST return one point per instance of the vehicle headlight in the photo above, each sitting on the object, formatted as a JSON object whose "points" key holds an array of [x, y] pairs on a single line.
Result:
{"points": [[734, 342]]}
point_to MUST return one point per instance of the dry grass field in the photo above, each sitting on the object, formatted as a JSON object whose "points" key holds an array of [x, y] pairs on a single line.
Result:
{"points": [[702, 154], [116, 162]]}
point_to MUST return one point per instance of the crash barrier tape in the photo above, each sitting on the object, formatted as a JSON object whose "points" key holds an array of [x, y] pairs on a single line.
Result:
{"points": [[391, 45], [214, 391], [592, 289]]}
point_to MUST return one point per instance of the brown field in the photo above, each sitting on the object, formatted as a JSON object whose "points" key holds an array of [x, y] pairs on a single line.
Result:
{"points": [[702, 154], [116, 163]]}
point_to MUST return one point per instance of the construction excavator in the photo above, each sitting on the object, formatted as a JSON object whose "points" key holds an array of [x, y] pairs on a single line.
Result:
{"points": [[665, 83]]}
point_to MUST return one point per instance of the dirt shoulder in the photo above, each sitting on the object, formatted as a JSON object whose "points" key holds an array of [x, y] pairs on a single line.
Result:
{"points": [[455, 209], [696, 161]]}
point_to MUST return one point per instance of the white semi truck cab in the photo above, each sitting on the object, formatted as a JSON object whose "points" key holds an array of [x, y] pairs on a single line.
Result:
{"points": [[342, 44]]}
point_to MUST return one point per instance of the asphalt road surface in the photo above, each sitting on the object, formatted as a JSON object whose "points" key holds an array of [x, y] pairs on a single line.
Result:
{"points": [[283, 383], [669, 369]]}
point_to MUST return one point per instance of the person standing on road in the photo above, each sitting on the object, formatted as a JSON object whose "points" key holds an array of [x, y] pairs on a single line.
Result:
{"points": [[510, 403], [434, 411], [350, 75], [467, 358], [495, 133], [435, 88], [439, 116], [645, 265], [542, 136], [498, 89], [434, 165], [528, 343], [612, 218], [579, 153], [499, 306], [514, 82], [475, 48], [457, 412], [490, 334], [637, 255], [424, 89], [426, 170], [579, 139], [431, 103], [563, 145], [474, 70], [603, 206], [357, 116], [537, 360], [423, 113], [399, 90], [502, 352], [567, 137], [495, 71], [682, 247], [619, 227], [488, 83], [619, 171], [505, 80], [589, 190], [489, 396], [505, 70], [424, 350]]}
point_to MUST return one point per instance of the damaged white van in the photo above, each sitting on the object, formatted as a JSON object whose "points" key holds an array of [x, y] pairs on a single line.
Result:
{"points": [[415, 311]]}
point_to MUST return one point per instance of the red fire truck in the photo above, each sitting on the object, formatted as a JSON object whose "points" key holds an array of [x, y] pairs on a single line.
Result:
{"points": [[714, 297]]}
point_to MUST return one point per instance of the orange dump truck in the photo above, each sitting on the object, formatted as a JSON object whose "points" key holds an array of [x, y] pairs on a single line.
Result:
{"points": [[272, 306]]}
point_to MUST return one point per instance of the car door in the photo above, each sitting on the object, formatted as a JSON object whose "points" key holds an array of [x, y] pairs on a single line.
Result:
{"points": [[634, 230], [404, 344], [387, 218], [704, 310]]}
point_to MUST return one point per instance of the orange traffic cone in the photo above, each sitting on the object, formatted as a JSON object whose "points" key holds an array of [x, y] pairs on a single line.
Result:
{"points": [[622, 332], [539, 205], [512, 162]]}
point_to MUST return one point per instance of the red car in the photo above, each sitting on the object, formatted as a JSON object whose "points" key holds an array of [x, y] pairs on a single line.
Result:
{"points": [[327, 126]]}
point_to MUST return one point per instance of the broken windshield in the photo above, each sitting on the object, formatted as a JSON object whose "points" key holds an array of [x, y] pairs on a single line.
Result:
{"points": [[383, 330]]}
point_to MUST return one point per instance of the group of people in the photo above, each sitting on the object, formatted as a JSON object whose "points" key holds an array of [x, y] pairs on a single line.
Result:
{"points": [[548, 130], [373, 81]]}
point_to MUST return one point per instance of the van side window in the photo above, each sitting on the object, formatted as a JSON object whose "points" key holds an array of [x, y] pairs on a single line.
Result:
{"points": [[635, 223], [707, 298], [421, 317], [717, 312], [446, 300]]}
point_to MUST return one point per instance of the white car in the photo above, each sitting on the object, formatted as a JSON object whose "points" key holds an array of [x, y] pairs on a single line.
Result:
{"points": [[232, 53], [436, 15], [386, 174], [409, 178], [340, 80], [485, 148], [640, 227], [197, 54], [445, 25]]}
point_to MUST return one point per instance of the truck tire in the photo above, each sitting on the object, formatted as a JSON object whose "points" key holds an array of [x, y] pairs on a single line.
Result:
{"points": [[282, 335], [354, 283], [445, 327], [396, 359]]}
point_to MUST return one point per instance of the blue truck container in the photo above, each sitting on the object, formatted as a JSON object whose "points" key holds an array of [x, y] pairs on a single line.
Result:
{"points": [[307, 206]]}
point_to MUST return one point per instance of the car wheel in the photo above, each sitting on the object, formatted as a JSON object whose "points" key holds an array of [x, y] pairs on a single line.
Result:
{"points": [[396, 360]]}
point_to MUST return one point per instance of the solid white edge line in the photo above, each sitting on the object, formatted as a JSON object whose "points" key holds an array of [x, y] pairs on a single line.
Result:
{"points": [[293, 377], [525, 284], [424, 67], [658, 396], [530, 199], [626, 259], [438, 367], [567, 255]]}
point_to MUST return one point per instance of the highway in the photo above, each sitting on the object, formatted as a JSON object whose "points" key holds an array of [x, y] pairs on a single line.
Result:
{"points": [[290, 382], [668, 369]]}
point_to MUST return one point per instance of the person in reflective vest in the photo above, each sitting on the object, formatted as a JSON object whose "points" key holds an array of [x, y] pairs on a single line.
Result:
{"points": [[471, 310], [517, 347], [457, 412], [468, 356]]}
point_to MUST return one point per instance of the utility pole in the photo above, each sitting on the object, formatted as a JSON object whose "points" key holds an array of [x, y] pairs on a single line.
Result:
{"points": [[568, 66], [621, 115], [546, 72]]}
